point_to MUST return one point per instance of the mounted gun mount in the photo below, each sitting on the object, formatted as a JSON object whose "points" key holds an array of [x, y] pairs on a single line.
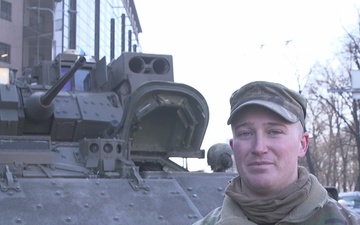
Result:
{"points": [[40, 106]]}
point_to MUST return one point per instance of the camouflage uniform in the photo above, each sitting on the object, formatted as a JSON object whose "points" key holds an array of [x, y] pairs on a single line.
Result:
{"points": [[317, 209]]}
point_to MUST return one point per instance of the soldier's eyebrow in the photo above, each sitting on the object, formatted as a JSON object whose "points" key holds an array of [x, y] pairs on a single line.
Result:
{"points": [[243, 124], [270, 123]]}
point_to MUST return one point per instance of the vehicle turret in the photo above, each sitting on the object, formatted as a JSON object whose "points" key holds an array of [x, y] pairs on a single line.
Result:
{"points": [[39, 106], [99, 139]]}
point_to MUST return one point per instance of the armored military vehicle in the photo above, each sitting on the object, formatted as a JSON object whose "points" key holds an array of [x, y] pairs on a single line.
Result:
{"points": [[86, 142]]}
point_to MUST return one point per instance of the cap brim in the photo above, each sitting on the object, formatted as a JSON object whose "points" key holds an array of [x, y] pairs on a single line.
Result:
{"points": [[281, 111]]}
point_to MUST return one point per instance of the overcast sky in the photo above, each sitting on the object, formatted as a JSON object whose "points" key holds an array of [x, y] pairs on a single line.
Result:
{"points": [[218, 46]]}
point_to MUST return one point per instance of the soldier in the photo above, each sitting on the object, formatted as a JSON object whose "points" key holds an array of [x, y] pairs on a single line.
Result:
{"points": [[268, 125]]}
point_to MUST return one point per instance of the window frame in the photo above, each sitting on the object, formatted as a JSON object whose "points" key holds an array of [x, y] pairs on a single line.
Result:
{"points": [[5, 10], [5, 49]]}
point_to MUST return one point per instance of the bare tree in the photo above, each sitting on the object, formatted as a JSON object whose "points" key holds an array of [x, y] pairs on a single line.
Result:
{"points": [[337, 113]]}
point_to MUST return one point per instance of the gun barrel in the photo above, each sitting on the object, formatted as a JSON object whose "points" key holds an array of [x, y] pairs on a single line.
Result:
{"points": [[47, 98]]}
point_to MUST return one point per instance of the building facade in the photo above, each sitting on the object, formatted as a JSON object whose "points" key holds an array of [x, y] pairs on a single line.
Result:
{"points": [[11, 34], [36, 30]]}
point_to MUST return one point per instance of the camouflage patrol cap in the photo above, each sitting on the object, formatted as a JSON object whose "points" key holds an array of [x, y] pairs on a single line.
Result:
{"points": [[285, 102]]}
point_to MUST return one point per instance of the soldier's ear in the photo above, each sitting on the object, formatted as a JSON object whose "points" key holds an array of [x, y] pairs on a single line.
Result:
{"points": [[304, 144], [231, 143]]}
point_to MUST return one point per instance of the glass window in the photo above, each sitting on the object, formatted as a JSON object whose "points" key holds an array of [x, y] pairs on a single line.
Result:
{"points": [[37, 21], [82, 80], [4, 53], [5, 10]]}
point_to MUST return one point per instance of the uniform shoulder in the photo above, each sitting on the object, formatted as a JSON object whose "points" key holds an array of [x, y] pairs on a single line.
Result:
{"points": [[211, 218]]}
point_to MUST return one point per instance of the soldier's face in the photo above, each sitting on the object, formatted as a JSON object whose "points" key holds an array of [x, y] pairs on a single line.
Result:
{"points": [[266, 150]]}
